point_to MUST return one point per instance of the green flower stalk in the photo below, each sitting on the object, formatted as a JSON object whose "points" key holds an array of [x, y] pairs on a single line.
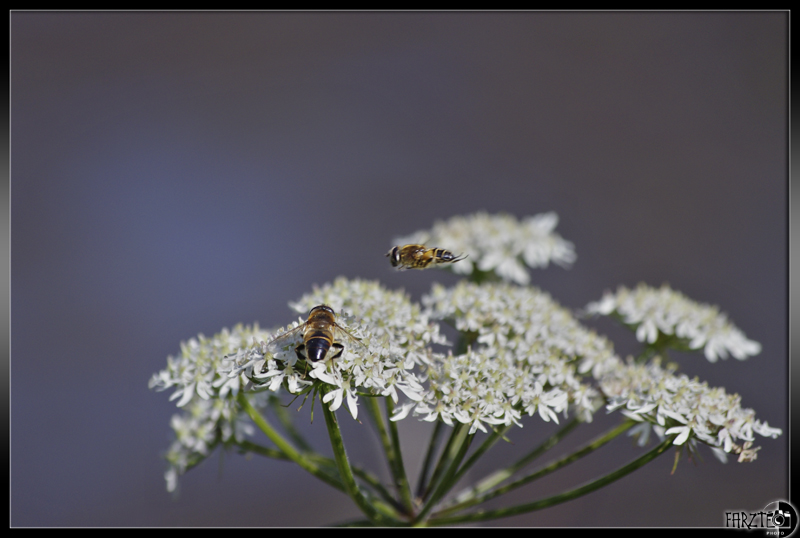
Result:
{"points": [[521, 358]]}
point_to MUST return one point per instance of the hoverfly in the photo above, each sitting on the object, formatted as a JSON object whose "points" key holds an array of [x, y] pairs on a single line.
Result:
{"points": [[420, 257], [318, 336]]}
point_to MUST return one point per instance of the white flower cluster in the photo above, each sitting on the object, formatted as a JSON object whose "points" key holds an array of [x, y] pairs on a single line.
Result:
{"points": [[685, 407], [498, 243], [393, 337], [652, 311], [211, 415], [205, 424], [195, 371], [525, 360]]}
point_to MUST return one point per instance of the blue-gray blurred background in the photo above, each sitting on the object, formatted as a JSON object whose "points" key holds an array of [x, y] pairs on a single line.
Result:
{"points": [[176, 173]]}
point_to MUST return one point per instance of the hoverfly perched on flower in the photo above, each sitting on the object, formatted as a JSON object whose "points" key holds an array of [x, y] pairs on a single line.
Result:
{"points": [[420, 257], [318, 336]]}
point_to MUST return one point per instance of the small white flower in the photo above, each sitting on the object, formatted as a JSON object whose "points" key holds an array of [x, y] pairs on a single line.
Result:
{"points": [[654, 311], [683, 434], [762, 428], [498, 243], [720, 454], [641, 431], [746, 453]]}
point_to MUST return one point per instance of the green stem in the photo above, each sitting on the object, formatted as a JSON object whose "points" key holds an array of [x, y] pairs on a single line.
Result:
{"points": [[285, 447], [441, 464], [422, 484], [367, 477], [586, 449], [373, 481], [378, 513], [485, 515], [398, 468], [495, 436], [391, 449], [452, 458], [273, 453], [503, 474], [283, 417]]}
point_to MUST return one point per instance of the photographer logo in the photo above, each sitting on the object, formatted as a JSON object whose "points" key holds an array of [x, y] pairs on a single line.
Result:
{"points": [[778, 518]]}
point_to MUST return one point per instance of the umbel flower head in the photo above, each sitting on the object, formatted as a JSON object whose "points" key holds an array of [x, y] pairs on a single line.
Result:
{"points": [[524, 359], [194, 373], [678, 405], [653, 312], [211, 416], [498, 244]]}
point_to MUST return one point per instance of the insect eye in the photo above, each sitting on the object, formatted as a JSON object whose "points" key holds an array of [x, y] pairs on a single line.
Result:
{"points": [[394, 256]]}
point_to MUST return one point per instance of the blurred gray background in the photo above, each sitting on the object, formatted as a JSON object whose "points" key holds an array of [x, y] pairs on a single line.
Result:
{"points": [[176, 173]]}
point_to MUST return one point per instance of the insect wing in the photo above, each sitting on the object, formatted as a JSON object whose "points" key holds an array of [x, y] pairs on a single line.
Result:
{"points": [[286, 341], [458, 258], [348, 337]]}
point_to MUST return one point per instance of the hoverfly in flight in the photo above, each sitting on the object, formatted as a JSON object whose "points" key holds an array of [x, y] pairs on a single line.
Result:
{"points": [[420, 257], [318, 336]]}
